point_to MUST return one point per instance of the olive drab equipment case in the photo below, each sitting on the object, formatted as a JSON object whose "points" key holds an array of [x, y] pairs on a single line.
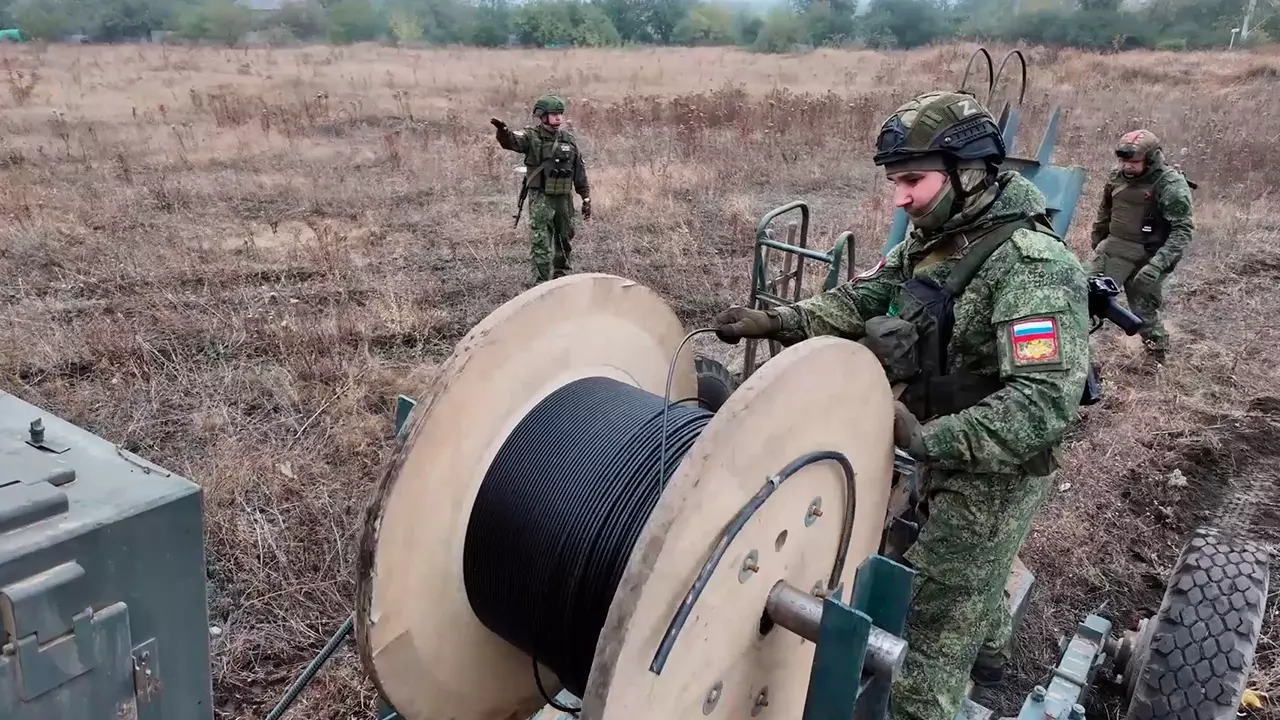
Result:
{"points": [[103, 611]]}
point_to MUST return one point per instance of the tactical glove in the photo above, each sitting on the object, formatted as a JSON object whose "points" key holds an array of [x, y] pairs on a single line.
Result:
{"points": [[586, 208], [739, 322], [497, 123], [908, 433], [1147, 276]]}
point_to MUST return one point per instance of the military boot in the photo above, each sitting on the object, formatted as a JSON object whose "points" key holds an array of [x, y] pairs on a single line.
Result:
{"points": [[1155, 352], [988, 670]]}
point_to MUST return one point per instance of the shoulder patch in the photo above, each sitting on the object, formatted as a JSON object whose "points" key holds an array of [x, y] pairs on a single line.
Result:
{"points": [[1035, 341]]}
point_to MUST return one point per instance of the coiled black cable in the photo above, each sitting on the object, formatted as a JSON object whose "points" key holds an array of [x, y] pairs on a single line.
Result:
{"points": [[559, 512]]}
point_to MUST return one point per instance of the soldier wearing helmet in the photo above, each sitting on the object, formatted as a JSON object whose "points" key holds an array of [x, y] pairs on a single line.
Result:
{"points": [[554, 170], [1143, 227], [982, 314]]}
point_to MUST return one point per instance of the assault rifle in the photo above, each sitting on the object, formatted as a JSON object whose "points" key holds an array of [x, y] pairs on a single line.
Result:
{"points": [[1103, 306]]}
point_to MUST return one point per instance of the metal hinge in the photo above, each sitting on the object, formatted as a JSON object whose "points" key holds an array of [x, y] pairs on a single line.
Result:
{"points": [[53, 632]]}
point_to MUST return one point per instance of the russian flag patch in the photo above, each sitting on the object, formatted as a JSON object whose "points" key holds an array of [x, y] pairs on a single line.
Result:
{"points": [[1035, 341]]}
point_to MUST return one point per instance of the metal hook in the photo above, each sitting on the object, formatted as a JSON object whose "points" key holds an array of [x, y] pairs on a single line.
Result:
{"points": [[991, 81], [1022, 91]]}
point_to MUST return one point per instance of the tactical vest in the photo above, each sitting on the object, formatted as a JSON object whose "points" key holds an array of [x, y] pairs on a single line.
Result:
{"points": [[1135, 212], [935, 389], [550, 163]]}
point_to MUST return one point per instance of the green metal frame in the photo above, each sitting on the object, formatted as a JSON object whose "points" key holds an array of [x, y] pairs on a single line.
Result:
{"points": [[840, 687], [764, 290], [1073, 675]]}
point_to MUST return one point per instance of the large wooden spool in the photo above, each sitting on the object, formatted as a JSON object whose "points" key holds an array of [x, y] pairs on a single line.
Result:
{"points": [[417, 636]]}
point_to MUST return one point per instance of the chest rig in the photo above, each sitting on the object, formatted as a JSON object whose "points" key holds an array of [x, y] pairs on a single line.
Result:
{"points": [[1135, 212], [550, 160], [917, 334]]}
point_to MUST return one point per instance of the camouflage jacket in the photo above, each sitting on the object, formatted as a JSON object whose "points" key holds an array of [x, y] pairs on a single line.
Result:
{"points": [[1171, 192], [1023, 319], [552, 158]]}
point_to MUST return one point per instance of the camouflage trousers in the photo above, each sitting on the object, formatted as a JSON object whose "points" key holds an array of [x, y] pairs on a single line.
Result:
{"points": [[972, 529], [551, 230], [1120, 260]]}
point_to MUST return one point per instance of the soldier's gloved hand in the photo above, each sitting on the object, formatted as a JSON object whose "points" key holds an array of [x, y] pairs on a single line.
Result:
{"points": [[586, 208], [497, 123], [739, 322], [908, 433], [1147, 276]]}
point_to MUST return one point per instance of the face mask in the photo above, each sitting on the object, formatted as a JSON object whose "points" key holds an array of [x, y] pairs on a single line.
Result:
{"points": [[939, 212]]}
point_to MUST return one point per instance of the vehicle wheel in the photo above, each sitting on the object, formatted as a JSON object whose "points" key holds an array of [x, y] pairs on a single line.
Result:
{"points": [[715, 382], [1193, 658]]}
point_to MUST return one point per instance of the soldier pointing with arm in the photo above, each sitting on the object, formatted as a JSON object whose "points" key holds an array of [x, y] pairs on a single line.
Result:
{"points": [[554, 170], [1143, 227], [983, 312]]}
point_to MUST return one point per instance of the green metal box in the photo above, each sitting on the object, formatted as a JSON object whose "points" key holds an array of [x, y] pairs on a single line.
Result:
{"points": [[103, 610]]}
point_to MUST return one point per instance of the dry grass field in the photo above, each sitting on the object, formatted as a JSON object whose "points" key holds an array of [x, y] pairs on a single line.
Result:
{"points": [[230, 262]]}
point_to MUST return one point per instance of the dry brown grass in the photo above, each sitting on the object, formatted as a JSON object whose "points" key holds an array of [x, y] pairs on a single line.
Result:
{"points": [[231, 262]]}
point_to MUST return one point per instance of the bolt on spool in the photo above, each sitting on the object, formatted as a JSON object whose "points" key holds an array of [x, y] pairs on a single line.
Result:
{"points": [[750, 566], [762, 701], [713, 697], [815, 512]]}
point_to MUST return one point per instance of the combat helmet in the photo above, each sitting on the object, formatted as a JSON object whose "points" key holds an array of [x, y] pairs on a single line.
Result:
{"points": [[943, 131], [940, 130], [548, 104], [1137, 143]]}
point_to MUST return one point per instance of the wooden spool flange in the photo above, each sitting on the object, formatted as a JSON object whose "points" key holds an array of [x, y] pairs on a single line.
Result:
{"points": [[416, 634]]}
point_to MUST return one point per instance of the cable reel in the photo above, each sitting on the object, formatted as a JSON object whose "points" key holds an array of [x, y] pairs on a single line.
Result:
{"points": [[654, 558]]}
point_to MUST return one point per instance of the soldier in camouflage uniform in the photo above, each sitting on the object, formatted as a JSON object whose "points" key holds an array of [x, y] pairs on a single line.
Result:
{"points": [[982, 313], [1142, 230], [554, 170]]}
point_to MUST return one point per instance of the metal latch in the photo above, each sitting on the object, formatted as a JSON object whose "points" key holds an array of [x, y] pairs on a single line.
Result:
{"points": [[37, 438], [146, 673]]}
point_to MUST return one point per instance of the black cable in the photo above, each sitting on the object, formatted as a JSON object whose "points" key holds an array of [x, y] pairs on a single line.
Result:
{"points": [[558, 514]]}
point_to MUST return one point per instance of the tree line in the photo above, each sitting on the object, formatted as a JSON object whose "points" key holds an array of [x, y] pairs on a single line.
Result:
{"points": [[786, 26]]}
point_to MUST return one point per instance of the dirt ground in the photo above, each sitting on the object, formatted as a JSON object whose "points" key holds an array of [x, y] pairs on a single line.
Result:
{"points": [[231, 262]]}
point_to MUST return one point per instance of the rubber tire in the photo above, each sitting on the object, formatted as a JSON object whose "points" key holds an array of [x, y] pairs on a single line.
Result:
{"points": [[715, 382], [1205, 633]]}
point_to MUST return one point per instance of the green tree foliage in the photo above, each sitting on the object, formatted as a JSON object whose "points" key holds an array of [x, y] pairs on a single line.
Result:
{"points": [[782, 31], [305, 20], [564, 22], [490, 24], [783, 26], [222, 20], [116, 20], [708, 24], [904, 23], [45, 19], [357, 20]]}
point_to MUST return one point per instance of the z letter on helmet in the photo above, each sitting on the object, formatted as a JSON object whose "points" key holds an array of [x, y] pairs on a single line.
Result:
{"points": [[1035, 341]]}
